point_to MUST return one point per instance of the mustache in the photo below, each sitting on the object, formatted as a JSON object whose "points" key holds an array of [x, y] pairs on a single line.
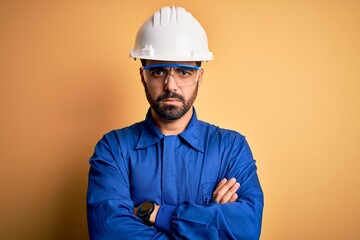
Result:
{"points": [[170, 95]]}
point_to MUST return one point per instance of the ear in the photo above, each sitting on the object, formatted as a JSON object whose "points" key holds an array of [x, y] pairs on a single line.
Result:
{"points": [[200, 78], [141, 72]]}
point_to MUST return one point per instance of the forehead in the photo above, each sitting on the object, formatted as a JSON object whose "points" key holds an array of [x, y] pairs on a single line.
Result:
{"points": [[151, 62]]}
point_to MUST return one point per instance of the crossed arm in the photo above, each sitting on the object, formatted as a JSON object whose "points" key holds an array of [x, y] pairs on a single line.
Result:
{"points": [[225, 192]]}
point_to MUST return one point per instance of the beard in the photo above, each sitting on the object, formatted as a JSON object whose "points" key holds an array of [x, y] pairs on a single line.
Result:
{"points": [[171, 112]]}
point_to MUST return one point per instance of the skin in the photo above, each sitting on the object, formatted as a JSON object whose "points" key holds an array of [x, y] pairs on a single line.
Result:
{"points": [[171, 127], [225, 192]]}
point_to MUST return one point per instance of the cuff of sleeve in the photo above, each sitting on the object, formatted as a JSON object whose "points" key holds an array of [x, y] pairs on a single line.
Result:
{"points": [[163, 218]]}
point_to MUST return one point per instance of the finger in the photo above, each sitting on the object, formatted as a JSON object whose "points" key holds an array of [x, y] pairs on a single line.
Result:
{"points": [[226, 197], [135, 211], [233, 198], [219, 186], [224, 189]]}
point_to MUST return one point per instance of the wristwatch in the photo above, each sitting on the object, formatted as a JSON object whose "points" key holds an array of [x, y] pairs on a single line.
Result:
{"points": [[144, 212]]}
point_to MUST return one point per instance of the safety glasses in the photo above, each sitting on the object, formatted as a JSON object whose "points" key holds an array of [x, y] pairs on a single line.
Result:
{"points": [[158, 74]]}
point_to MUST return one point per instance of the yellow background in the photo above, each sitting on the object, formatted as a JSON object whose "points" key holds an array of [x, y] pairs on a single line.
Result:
{"points": [[286, 74]]}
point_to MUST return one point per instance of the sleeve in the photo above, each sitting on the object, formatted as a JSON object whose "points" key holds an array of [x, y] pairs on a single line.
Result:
{"points": [[109, 205], [238, 220]]}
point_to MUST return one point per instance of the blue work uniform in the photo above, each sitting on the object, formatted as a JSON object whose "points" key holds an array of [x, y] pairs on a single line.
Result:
{"points": [[139, 163]]}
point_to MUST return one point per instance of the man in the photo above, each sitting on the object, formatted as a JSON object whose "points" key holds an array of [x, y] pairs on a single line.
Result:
{"points": [[173, 176]]}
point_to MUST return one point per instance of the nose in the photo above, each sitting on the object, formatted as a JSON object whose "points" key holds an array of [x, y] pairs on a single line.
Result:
{"points": [[170, 83]]}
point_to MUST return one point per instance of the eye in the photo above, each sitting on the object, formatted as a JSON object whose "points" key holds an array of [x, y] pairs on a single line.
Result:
{"points": [[184, 72], [157, 72]]}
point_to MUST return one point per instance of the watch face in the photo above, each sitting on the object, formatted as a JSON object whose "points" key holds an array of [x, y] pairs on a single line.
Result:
{"points": [[146, 206], [145, 209]]}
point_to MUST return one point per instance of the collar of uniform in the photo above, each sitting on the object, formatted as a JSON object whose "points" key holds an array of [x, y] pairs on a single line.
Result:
{"points": [[151, 135], [192, 134]]}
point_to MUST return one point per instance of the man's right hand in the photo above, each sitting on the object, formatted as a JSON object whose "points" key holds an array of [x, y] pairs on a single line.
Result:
{"points": [[225, 192]]}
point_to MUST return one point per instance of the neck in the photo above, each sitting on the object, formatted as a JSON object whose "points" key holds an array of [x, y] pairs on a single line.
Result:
{"points": [[172, 127]]}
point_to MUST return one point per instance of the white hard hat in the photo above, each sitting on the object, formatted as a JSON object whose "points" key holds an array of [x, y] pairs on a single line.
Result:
{"points": [[172, 34]]}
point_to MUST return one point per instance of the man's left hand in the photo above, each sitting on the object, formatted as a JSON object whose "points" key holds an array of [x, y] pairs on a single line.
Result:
{"points": [[225, 191]]}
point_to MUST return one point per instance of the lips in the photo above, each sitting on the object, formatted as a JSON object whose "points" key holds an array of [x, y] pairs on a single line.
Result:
{"points": [[171, 100]]}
